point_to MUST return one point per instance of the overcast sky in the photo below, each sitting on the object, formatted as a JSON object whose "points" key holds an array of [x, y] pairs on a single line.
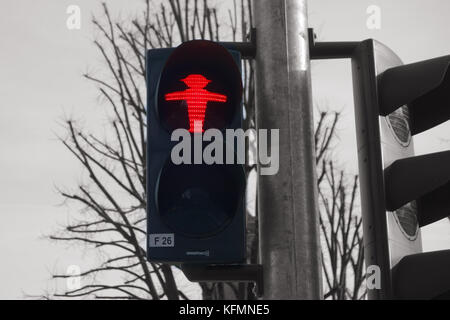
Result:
{"points": [[41, 63]]}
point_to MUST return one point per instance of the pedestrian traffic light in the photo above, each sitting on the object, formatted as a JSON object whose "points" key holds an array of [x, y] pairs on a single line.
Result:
{"points": [[401, 192], [195, 208]]}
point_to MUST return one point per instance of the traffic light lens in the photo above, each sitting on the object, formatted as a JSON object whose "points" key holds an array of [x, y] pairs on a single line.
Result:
{"points": [[200, 88], [399, 123], [199, 200], [406, 217]]}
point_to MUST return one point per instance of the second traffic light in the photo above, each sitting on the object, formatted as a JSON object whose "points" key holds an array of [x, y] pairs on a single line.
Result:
{"points": [[195, 207], [401, 192]]}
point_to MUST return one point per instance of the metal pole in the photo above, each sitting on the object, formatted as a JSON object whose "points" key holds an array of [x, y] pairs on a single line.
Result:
{"points": [[288, 210]]}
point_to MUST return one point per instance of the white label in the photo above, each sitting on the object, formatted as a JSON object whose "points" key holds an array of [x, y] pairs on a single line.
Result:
{"points": [[161, 240], [198, 253]]}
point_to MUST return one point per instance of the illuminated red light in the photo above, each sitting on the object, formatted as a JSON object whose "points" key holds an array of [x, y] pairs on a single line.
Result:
{"points": [[196, 97]]}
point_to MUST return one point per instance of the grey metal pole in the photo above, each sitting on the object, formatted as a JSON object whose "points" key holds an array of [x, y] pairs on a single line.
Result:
{"points": [[288, 210]]}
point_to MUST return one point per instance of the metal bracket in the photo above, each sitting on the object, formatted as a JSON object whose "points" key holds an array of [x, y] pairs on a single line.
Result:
{"points": [[330, 50], [247, 49], [226, 273]]}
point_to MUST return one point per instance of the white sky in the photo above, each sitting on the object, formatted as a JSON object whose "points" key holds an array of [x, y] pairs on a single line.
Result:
{"points": [[41, 63]]}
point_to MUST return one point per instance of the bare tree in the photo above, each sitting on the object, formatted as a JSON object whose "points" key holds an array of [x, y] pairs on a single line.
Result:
{"points": [[340, 223], [113, 197]]}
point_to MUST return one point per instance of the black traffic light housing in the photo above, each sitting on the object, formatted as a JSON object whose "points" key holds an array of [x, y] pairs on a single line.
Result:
{"points": [[393, 102], [196, 212]]}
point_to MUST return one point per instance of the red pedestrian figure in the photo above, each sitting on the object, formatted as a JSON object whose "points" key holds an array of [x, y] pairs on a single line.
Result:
{"points": [[197, 98]]}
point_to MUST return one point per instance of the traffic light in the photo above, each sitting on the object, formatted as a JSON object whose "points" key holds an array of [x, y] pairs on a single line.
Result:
{"points": [[401, 192], [195, 209]]}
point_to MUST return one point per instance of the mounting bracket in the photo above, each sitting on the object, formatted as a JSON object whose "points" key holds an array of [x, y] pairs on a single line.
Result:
{"points": [[330, 50], [247, 49], [226, 273]]}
